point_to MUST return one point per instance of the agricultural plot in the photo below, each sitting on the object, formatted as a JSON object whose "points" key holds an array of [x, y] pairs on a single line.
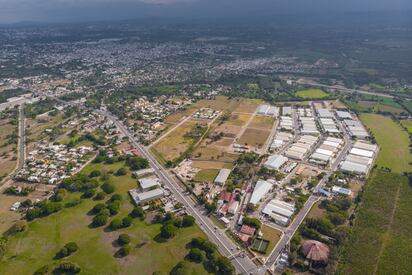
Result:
{"points": [[381, 239], [37, 246], [311, 94], [394, 142], [238, 119], [248, 106]]}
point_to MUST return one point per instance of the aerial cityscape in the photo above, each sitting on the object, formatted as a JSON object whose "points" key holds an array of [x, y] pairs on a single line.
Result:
{"points": [[186, 143]]}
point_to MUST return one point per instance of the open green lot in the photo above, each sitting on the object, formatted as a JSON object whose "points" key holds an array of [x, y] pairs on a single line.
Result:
{"points": [[407, 123], [44, 237], [311, 94], [393, 140], [206, 175], [381, 239]]}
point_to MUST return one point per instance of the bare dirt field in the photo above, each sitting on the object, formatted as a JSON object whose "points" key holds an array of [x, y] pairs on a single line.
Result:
{"points": [[254, 137]]}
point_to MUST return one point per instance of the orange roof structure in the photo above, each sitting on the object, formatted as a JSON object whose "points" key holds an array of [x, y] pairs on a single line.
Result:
{"points": [[315, 251]]}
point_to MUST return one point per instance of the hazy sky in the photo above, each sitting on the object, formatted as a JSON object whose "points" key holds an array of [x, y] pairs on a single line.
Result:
{"points": [[91, 10]]}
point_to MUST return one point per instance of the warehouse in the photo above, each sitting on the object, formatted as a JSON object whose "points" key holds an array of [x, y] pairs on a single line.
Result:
{"points": [[325, 113], [320, 158], [366, 146], [287, 111], [233, 207], [356, 129], [262, 110], [275, 161], [294, 154], [143, 172], [222, 176], [343, 115], [280, 139], [261, 189], [359, 159], [352, 167], [286, 123], [143, 197], [278, 207], [361, 152], [149, 183]]}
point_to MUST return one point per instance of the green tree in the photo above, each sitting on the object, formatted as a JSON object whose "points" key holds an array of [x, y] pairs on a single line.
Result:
{"points": [[123, 239], [168, 231]]}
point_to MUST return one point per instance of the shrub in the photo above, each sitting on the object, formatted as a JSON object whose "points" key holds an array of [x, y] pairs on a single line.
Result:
{"points": [[108, 188], [123, 239], [113, 207], [42, 270], [67, 250], [116, 197], [72, 203], [116, 224], [124, 250], [98, 208], [19, 226], [95, 173], [67, 267], [121, 172], [100, 196], [100, 220], [127, 221], [188, 221], [168, 231], [137, 212], [89, 193], [195, 255]]}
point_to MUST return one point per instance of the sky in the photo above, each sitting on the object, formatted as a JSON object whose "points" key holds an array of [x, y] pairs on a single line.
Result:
{"points": [[12, 11]]}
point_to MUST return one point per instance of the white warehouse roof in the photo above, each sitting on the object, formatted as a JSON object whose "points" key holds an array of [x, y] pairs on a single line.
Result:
{"points": [[261, 189], [361, 152], [275, 161]]}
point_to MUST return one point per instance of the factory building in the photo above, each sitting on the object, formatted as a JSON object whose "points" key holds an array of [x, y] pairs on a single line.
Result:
{"points": [[275, 162], [262, 188], [221, 178], [302, 147], [360, 158], [279, 211]]}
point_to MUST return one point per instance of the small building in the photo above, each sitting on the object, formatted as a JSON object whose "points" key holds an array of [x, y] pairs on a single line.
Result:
{"points": [[315, 251], [341, 190], [222, 176], [233, 208], [246, 232]]}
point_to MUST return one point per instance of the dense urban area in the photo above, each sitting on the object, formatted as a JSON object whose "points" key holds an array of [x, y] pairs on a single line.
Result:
{"points": [[144, 148]]}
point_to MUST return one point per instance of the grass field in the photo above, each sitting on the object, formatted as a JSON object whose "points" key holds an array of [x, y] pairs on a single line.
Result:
{"points": [[213, 153], [206, 175], [174, 144], [254, 137], [248, 105], [272, 235], [8, 151], [407, 123], [238, 119], [381, 239], [262, 122], [393, 140], [37, 246], [311, 94]]}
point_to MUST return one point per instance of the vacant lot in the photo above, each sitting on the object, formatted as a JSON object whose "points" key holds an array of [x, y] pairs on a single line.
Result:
{"points": [[238, 119], [175, 143], [7, 151], [37, 246], [393, 140], [381, 239], [272, 235], [262, 122], [254, 137], [204, 152], [206, 175], [248, 106], [311, 94]]}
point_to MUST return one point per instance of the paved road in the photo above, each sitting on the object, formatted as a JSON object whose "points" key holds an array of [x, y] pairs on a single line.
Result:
{"points": [[226, 246], [341, 88], [22, 138]]}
